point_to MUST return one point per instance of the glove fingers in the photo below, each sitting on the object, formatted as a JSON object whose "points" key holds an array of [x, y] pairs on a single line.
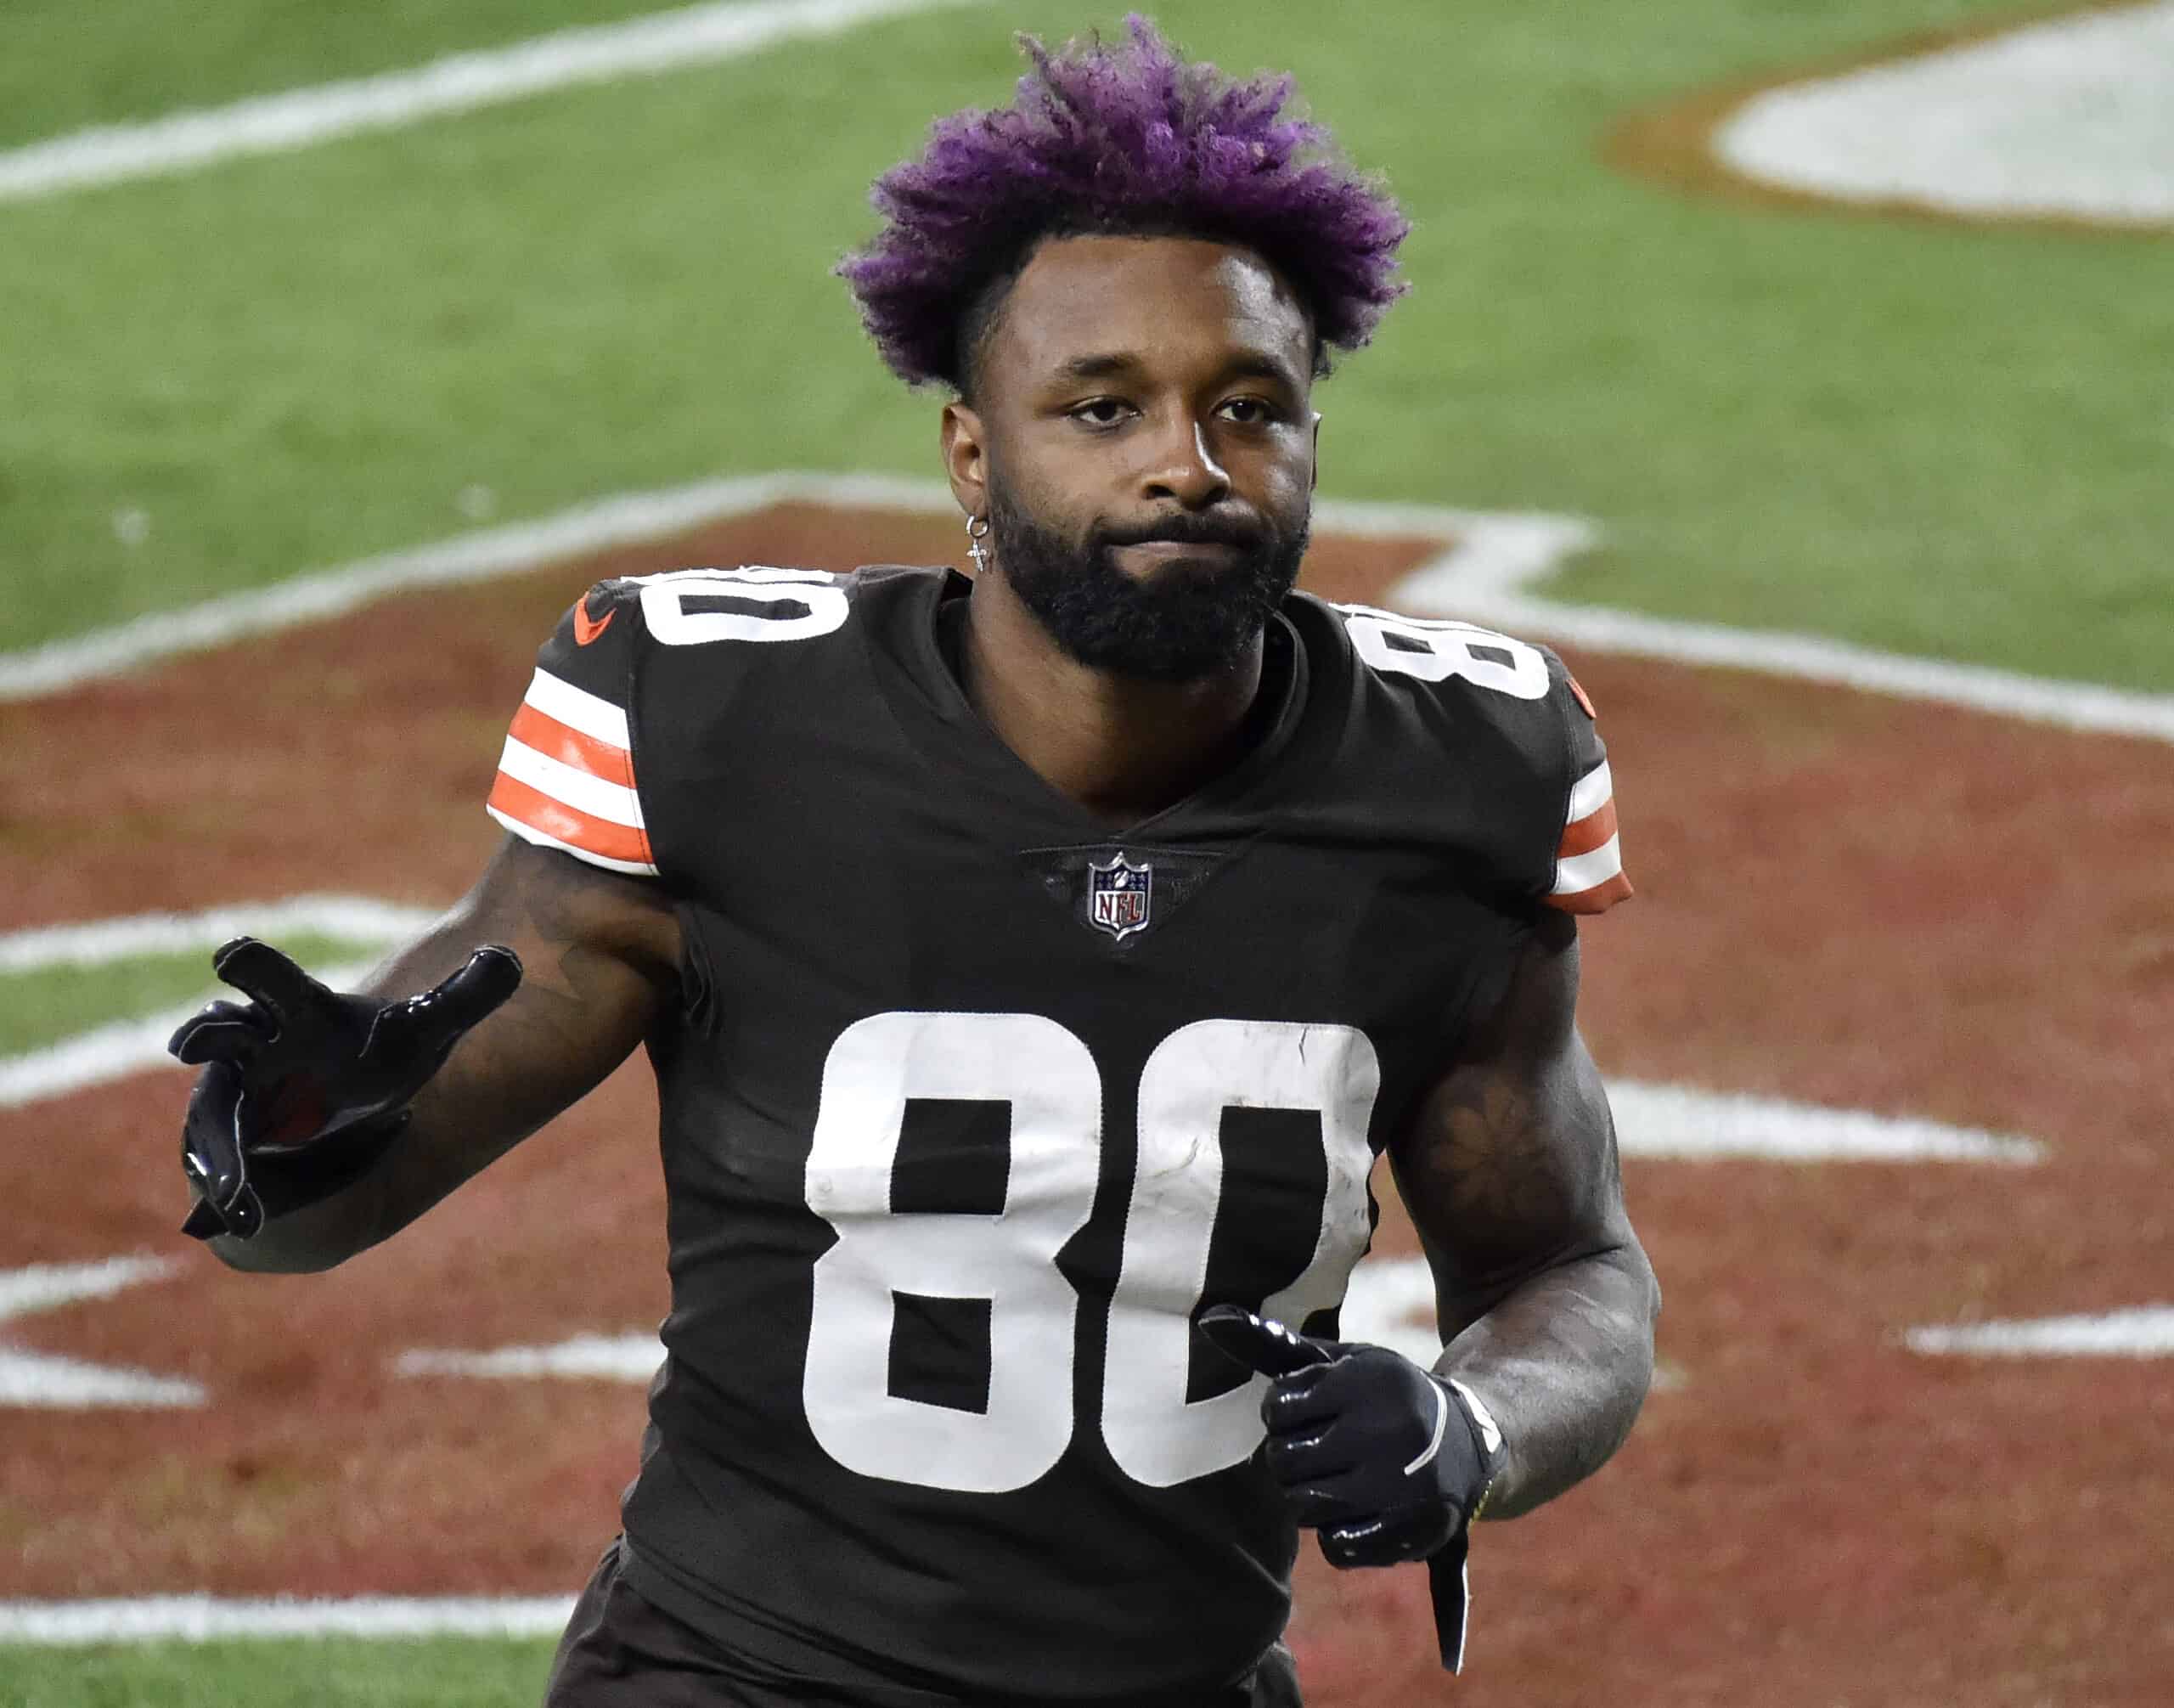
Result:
{"points": [[1301, 1405], [1265, 1347], [211, 1140], [220, 1031], [476, 990], [274, 980], [1408, 1533], [430, 1024], [1316, 1509], [1310, 1456]]}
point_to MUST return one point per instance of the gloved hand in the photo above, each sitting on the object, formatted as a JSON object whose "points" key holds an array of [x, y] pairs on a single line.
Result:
{"points": [[303, 1088], [1386, 1461]]}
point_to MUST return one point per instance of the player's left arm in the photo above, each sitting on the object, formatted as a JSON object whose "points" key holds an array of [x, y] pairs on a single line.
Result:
{"points": [[1510, 1172]]}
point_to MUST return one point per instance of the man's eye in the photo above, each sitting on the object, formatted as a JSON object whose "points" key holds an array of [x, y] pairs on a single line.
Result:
{"points": [[1250, 412], [1099, 412]]}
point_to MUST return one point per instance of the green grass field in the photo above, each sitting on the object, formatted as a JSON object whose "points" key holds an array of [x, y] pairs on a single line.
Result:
{"points": [[1942, 440], [474, 1672], [42, 1007], [1946, 440]]}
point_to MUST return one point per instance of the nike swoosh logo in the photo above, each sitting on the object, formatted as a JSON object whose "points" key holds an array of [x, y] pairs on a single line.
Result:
{"points": [[587, 629]]}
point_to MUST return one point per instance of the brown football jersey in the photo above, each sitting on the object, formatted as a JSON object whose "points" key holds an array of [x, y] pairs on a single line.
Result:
{"points": [[970, 1106]]}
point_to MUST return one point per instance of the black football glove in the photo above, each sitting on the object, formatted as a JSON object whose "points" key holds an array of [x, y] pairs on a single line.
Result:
{"points": [[1385, 1461], [303, 1087]]}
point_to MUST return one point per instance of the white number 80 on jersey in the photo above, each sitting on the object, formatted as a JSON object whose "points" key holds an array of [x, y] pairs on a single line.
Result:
{"points": [[1051, 1081]]}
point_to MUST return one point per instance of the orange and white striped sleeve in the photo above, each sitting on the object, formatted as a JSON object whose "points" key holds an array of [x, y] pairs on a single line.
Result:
{"points": [[1589, 876], [567, 774]]}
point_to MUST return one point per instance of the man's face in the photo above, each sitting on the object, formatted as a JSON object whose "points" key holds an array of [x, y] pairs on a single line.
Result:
{"points": [[1147, 438]]}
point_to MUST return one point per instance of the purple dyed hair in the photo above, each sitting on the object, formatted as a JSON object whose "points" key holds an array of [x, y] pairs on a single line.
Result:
{"points": [[1124, 139]]}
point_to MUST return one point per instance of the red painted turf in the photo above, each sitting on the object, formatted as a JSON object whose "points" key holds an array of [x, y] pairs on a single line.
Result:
{"points": [[1843, 899]]}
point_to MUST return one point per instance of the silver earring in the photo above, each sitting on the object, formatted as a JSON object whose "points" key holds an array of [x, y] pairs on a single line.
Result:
{"points": [[976, 531]]}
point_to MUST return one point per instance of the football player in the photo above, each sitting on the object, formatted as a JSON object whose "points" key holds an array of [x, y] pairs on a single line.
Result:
{"points": [[1034, 966]]}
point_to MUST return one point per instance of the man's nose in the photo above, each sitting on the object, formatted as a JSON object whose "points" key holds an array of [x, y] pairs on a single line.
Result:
{"points": [[1184, 469]]}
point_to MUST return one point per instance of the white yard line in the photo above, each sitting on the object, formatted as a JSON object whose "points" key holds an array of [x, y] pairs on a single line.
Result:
{"points": [[50, 1286], [1491, 562], [1391, 1300], [210, 1619], [484, 556], [118, 1050], [1684, 1124], [1480, 593], [123, 1048], [47, 1382], [294, 119], [352, 918], [2146, 1331]]}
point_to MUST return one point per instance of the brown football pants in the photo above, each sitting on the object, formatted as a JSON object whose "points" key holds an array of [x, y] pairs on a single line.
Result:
{"points": [[619, 1651]]}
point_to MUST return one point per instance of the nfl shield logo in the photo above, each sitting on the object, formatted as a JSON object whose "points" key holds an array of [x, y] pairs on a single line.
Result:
{"points": [[1118, 896]]}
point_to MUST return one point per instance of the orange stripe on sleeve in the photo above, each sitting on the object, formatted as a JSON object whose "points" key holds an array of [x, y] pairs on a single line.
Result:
{"points": [[576, 829], [570, 747], [1586, 834]]}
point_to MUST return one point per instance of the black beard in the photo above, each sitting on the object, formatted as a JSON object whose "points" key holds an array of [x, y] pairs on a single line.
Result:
{"points": [[1180, 625]]}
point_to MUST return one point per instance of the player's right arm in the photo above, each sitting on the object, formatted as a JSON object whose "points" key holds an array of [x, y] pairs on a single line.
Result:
{"points": [[575, 892], [599, 953]]}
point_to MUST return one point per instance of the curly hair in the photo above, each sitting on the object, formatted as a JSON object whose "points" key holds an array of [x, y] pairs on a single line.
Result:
{"points": [[1124, 139]]}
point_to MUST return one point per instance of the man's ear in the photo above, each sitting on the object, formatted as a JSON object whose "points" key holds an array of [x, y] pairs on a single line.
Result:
{"points": [[965, 457]]}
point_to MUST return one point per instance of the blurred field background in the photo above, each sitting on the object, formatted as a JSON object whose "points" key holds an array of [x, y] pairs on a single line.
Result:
{"points": [[1942, 440], [1945, 440]]}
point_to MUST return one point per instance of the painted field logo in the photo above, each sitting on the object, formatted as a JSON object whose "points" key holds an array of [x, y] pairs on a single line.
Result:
{"points": [[1118, 896]]}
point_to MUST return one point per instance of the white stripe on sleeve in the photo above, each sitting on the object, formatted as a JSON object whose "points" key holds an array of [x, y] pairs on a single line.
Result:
{"points": [[529, 833], [578, 709], [1586, 871], [1591, 793], [571, 787]]}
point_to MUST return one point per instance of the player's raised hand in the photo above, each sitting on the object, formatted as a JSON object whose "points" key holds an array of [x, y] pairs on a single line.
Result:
{"points": [[303, 1087], [1386, 1461]]}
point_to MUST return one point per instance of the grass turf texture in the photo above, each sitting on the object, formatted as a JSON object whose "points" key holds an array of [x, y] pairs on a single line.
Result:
{"points": [[330, 1673], [50, 1003], [64, 66], [1945, 441]]}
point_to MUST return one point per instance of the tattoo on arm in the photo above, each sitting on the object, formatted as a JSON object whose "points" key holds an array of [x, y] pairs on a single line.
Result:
{"points": [[1511, 1175]]}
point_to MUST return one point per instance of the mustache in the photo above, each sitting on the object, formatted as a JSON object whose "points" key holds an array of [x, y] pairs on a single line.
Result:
{"points": [[1188, 529]]}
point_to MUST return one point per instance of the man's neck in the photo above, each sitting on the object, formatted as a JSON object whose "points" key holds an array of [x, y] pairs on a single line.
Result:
{"points": [[1125, 749]]}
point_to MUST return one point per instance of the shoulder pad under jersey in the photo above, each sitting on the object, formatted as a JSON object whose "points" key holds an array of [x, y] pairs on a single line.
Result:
{"points": [[567, 774], [1456, 676], [570, 775]]}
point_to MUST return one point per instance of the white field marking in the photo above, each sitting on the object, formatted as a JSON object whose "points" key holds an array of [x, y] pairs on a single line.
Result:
{"points": [[2074, 117], [42, 1380], [1390, 1301], [1682, 1124], [630, 1357], [1481, 592], [1490, 561], [2146, 1331], [100, 942], [115, 1050], [663, 42], [122, 1047], [208, 1619]]}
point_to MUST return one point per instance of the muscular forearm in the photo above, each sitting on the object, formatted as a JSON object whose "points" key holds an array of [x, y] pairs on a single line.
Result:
{"points": [[598, 955], [1563, 1363], [506, 1080]]}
